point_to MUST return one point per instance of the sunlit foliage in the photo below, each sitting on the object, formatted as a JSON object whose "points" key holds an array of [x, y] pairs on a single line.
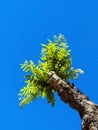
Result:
{"points": [[55, 56]]}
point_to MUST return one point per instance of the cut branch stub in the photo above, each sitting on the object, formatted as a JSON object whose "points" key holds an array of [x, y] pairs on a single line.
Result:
{"points": [[56, 82]]}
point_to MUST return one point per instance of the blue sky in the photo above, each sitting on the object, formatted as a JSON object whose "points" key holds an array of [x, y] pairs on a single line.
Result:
{"points": [[24, 25]]}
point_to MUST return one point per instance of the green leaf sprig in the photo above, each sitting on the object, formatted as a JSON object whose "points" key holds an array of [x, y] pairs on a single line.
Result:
{"points": [[55, 56]]}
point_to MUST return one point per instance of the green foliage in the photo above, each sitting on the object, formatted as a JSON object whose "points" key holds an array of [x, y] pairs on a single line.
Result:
{"points": [[55, 56]]}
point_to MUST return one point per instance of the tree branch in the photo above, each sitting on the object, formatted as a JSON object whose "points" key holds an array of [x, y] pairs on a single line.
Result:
{"points": [[77, 100]]}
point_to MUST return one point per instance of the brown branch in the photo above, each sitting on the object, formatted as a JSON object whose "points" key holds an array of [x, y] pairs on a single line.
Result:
{"points": [[77, 100]]}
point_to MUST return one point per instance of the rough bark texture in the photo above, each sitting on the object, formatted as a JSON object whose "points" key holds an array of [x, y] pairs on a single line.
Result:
{"points": [[77, 100]]}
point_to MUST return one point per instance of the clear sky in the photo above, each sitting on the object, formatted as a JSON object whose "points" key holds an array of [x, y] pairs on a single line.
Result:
{"points": [[24, 25]]}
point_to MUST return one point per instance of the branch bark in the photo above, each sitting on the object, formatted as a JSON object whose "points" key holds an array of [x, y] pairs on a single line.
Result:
{"points": [[77, 100]]}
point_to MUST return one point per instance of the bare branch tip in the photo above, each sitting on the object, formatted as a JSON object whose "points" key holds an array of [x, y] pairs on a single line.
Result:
{"points": [[51, 73]]}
